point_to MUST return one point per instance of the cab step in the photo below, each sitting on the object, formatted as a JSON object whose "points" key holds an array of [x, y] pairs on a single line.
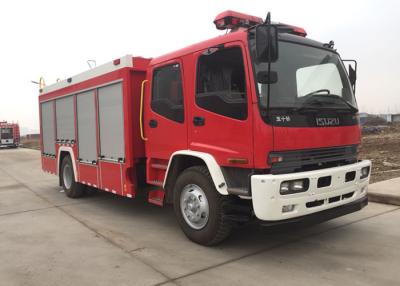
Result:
{"points": [[156, 197], [239, 191], [156, 183], [159, 166]]}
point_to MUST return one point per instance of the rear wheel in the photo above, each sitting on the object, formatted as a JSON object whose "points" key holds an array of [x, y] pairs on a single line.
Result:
{"points": [[199, 207], [71, 188]]}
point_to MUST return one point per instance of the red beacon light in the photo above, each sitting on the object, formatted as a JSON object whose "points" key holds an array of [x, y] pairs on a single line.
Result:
{"points": [[299, 31], [234, 20], [285, 28]]}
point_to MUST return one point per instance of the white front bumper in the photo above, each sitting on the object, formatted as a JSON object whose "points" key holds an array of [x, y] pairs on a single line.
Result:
{"points": [[7, 141], [268, 202]]}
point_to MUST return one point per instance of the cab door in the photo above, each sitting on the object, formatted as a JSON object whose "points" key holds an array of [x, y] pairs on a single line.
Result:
{"points": [[164, 122], [220, 118]]}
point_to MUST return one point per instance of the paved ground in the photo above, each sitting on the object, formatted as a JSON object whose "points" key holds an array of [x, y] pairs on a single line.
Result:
{"points": [[387, 192], [48, 239]]}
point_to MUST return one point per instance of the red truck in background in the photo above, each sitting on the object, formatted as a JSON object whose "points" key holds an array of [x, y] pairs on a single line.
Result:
{"points": [[257, 125], [9, 135]]}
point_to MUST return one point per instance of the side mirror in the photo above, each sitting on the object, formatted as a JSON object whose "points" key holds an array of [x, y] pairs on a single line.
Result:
{"points": [[352, 72], [266, 77], [352, 76], [267, 43]]}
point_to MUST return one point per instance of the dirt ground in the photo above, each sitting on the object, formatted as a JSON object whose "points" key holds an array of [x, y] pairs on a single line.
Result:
{"points": [[383, 149], [30, 143]]}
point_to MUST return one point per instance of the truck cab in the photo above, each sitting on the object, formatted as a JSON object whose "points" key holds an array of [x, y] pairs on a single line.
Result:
{"points": [[281, 134]]}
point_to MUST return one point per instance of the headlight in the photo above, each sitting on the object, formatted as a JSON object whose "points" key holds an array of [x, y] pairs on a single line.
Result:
{"points": [[364, 172], [294, 186]]}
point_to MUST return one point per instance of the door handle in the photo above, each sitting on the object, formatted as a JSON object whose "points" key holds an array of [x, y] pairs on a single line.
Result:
{"points": [[198, 121], [153, 123]]}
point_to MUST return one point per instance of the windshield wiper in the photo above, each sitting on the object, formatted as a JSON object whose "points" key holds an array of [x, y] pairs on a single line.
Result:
{"points": [[313, 99], [348, 104], [308, 107], [316, 92]]}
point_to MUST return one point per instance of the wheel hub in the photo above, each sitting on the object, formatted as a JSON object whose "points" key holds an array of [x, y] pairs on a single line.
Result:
{"points": [[194, 206], [67, 176]]}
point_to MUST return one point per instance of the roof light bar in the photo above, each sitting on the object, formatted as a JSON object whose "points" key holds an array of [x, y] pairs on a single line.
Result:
{"points": [[233, 20]]}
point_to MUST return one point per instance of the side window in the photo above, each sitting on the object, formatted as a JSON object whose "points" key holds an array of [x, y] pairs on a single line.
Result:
{"points": [[167, 95], [221, 83]]}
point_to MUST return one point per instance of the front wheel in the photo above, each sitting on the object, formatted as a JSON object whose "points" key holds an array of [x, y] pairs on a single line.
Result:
{"points": [[199, 207], [71, 188]]}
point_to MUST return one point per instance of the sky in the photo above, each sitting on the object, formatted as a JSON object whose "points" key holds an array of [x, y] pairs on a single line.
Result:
{"points": [[54, 39]]}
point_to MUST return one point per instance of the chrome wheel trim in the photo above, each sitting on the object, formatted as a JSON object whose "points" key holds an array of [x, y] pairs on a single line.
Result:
{"points": [[67, 176], [194, 206]]}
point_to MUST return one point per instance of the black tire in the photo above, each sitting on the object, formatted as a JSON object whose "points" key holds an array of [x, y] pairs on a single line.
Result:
{"points": [[75, 190], [218, 227]]}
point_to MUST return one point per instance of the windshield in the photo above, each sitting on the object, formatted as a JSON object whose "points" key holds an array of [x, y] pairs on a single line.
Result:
{"points": [[6, 133], [307, 77]]}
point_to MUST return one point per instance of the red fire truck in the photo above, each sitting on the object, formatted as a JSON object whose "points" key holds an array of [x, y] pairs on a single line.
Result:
{"points": [[9, 134], [257, 125]]}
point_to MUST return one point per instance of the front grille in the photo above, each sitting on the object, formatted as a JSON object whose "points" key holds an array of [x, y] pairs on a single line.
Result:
{"points": [[313, 159]]}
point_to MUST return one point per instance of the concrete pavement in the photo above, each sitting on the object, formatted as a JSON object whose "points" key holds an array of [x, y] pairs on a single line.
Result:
{"points": [[48, 239], [387, 192]]}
